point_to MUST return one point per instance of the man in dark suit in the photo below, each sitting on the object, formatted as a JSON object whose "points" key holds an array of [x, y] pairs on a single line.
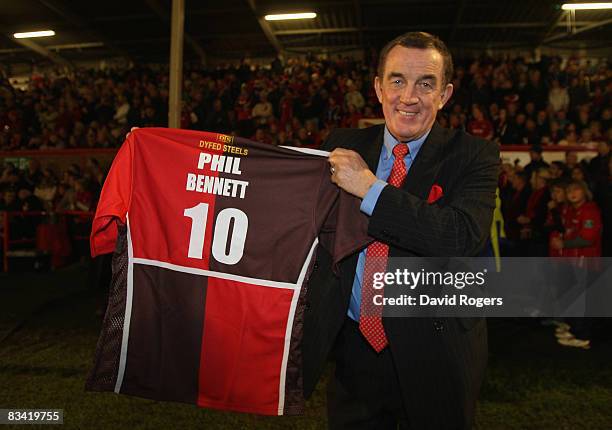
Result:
{"points": [[418, 373]]}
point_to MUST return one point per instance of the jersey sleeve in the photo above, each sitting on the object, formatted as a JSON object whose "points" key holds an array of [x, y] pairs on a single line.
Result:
{"points": [[341, 224], [114, 201]]}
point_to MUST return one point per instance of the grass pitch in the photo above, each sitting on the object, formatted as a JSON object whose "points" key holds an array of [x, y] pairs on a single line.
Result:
{"points": [[52, 331]]}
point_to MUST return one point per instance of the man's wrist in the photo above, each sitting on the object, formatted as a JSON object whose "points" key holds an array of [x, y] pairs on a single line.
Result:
{"points": [[369, 200], [372, 181]]}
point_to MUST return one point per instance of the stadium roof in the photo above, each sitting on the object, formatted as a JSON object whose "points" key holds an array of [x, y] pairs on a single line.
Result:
{"points": [[140, 29]]}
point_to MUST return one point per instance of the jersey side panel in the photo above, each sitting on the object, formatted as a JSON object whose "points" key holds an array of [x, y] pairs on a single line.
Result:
{"points": [[103, 375], [165, 334]]}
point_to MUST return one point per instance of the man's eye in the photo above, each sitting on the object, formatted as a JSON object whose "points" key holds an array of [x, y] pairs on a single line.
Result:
{"points": [[397, 82], [426, 85]]}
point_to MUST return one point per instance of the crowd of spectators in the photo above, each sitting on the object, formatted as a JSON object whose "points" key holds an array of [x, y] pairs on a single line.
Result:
{"points": [[42, 189], [298, 102], [543, 216], [67, 198], [559, 209]]}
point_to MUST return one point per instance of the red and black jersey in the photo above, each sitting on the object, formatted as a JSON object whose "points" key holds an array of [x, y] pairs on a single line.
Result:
{"points": [[213, 237]]}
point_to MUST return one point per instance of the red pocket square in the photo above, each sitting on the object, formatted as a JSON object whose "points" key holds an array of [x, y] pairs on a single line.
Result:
{"points": [[435, 193]]}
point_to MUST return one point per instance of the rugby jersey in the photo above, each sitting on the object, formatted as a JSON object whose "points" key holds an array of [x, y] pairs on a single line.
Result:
{"points": [[213, 239]]}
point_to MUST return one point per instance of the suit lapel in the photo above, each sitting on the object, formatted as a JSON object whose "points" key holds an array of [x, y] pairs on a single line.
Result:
{"points": [[424, 169]]}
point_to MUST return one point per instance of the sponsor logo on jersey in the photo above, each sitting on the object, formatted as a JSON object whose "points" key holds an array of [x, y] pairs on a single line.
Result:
{"points": [[225, 138], [216, 146]]}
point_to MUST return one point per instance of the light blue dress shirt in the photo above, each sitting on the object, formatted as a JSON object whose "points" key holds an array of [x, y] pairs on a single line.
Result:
{"points": [[385, 163]]}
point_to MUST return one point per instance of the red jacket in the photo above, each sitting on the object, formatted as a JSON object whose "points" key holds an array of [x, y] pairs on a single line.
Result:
{"points": [[583, 222]]}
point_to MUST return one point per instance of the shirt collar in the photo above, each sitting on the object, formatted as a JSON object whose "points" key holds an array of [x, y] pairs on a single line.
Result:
{"points": [[390, 142]]}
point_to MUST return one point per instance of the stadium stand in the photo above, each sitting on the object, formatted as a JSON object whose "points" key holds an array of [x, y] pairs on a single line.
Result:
{"points": [[560, 104]]}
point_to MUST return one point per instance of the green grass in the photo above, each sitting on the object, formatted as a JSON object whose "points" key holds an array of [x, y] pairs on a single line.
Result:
{"points": [[532, 383]]}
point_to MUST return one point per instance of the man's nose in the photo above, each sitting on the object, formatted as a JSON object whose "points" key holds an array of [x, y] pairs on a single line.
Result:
{"points": [[409, 95]]}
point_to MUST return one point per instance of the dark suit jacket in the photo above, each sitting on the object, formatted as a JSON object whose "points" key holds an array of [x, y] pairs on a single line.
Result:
{"points": [[440, 362]]}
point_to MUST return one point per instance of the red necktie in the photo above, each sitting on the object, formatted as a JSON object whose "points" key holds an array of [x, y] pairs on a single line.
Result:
{"points": [[370, 319]]}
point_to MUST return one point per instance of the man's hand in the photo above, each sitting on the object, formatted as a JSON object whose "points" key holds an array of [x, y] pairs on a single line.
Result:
{"points": [[350, 172]]}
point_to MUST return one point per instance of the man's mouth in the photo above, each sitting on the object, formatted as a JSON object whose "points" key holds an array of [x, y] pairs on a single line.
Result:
{"points": [[406, 113]]}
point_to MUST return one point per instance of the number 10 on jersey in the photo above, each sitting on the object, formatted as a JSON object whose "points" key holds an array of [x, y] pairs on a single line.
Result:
{"points": [[221, 235]]}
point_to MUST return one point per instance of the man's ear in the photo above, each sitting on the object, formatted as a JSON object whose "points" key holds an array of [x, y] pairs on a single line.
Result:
{"points": [[447, 93], [378, 88]]}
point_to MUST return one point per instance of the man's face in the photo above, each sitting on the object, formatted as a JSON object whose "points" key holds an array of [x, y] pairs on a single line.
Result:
{"points": [[412, 91]]}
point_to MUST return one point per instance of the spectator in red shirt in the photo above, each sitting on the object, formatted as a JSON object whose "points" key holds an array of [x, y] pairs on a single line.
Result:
{"points": [[243, 110], [479, 125], [533, 236], [582, 223], [557, 208], [581, 238], [351, 120], [286, 107], [513, 205]]}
